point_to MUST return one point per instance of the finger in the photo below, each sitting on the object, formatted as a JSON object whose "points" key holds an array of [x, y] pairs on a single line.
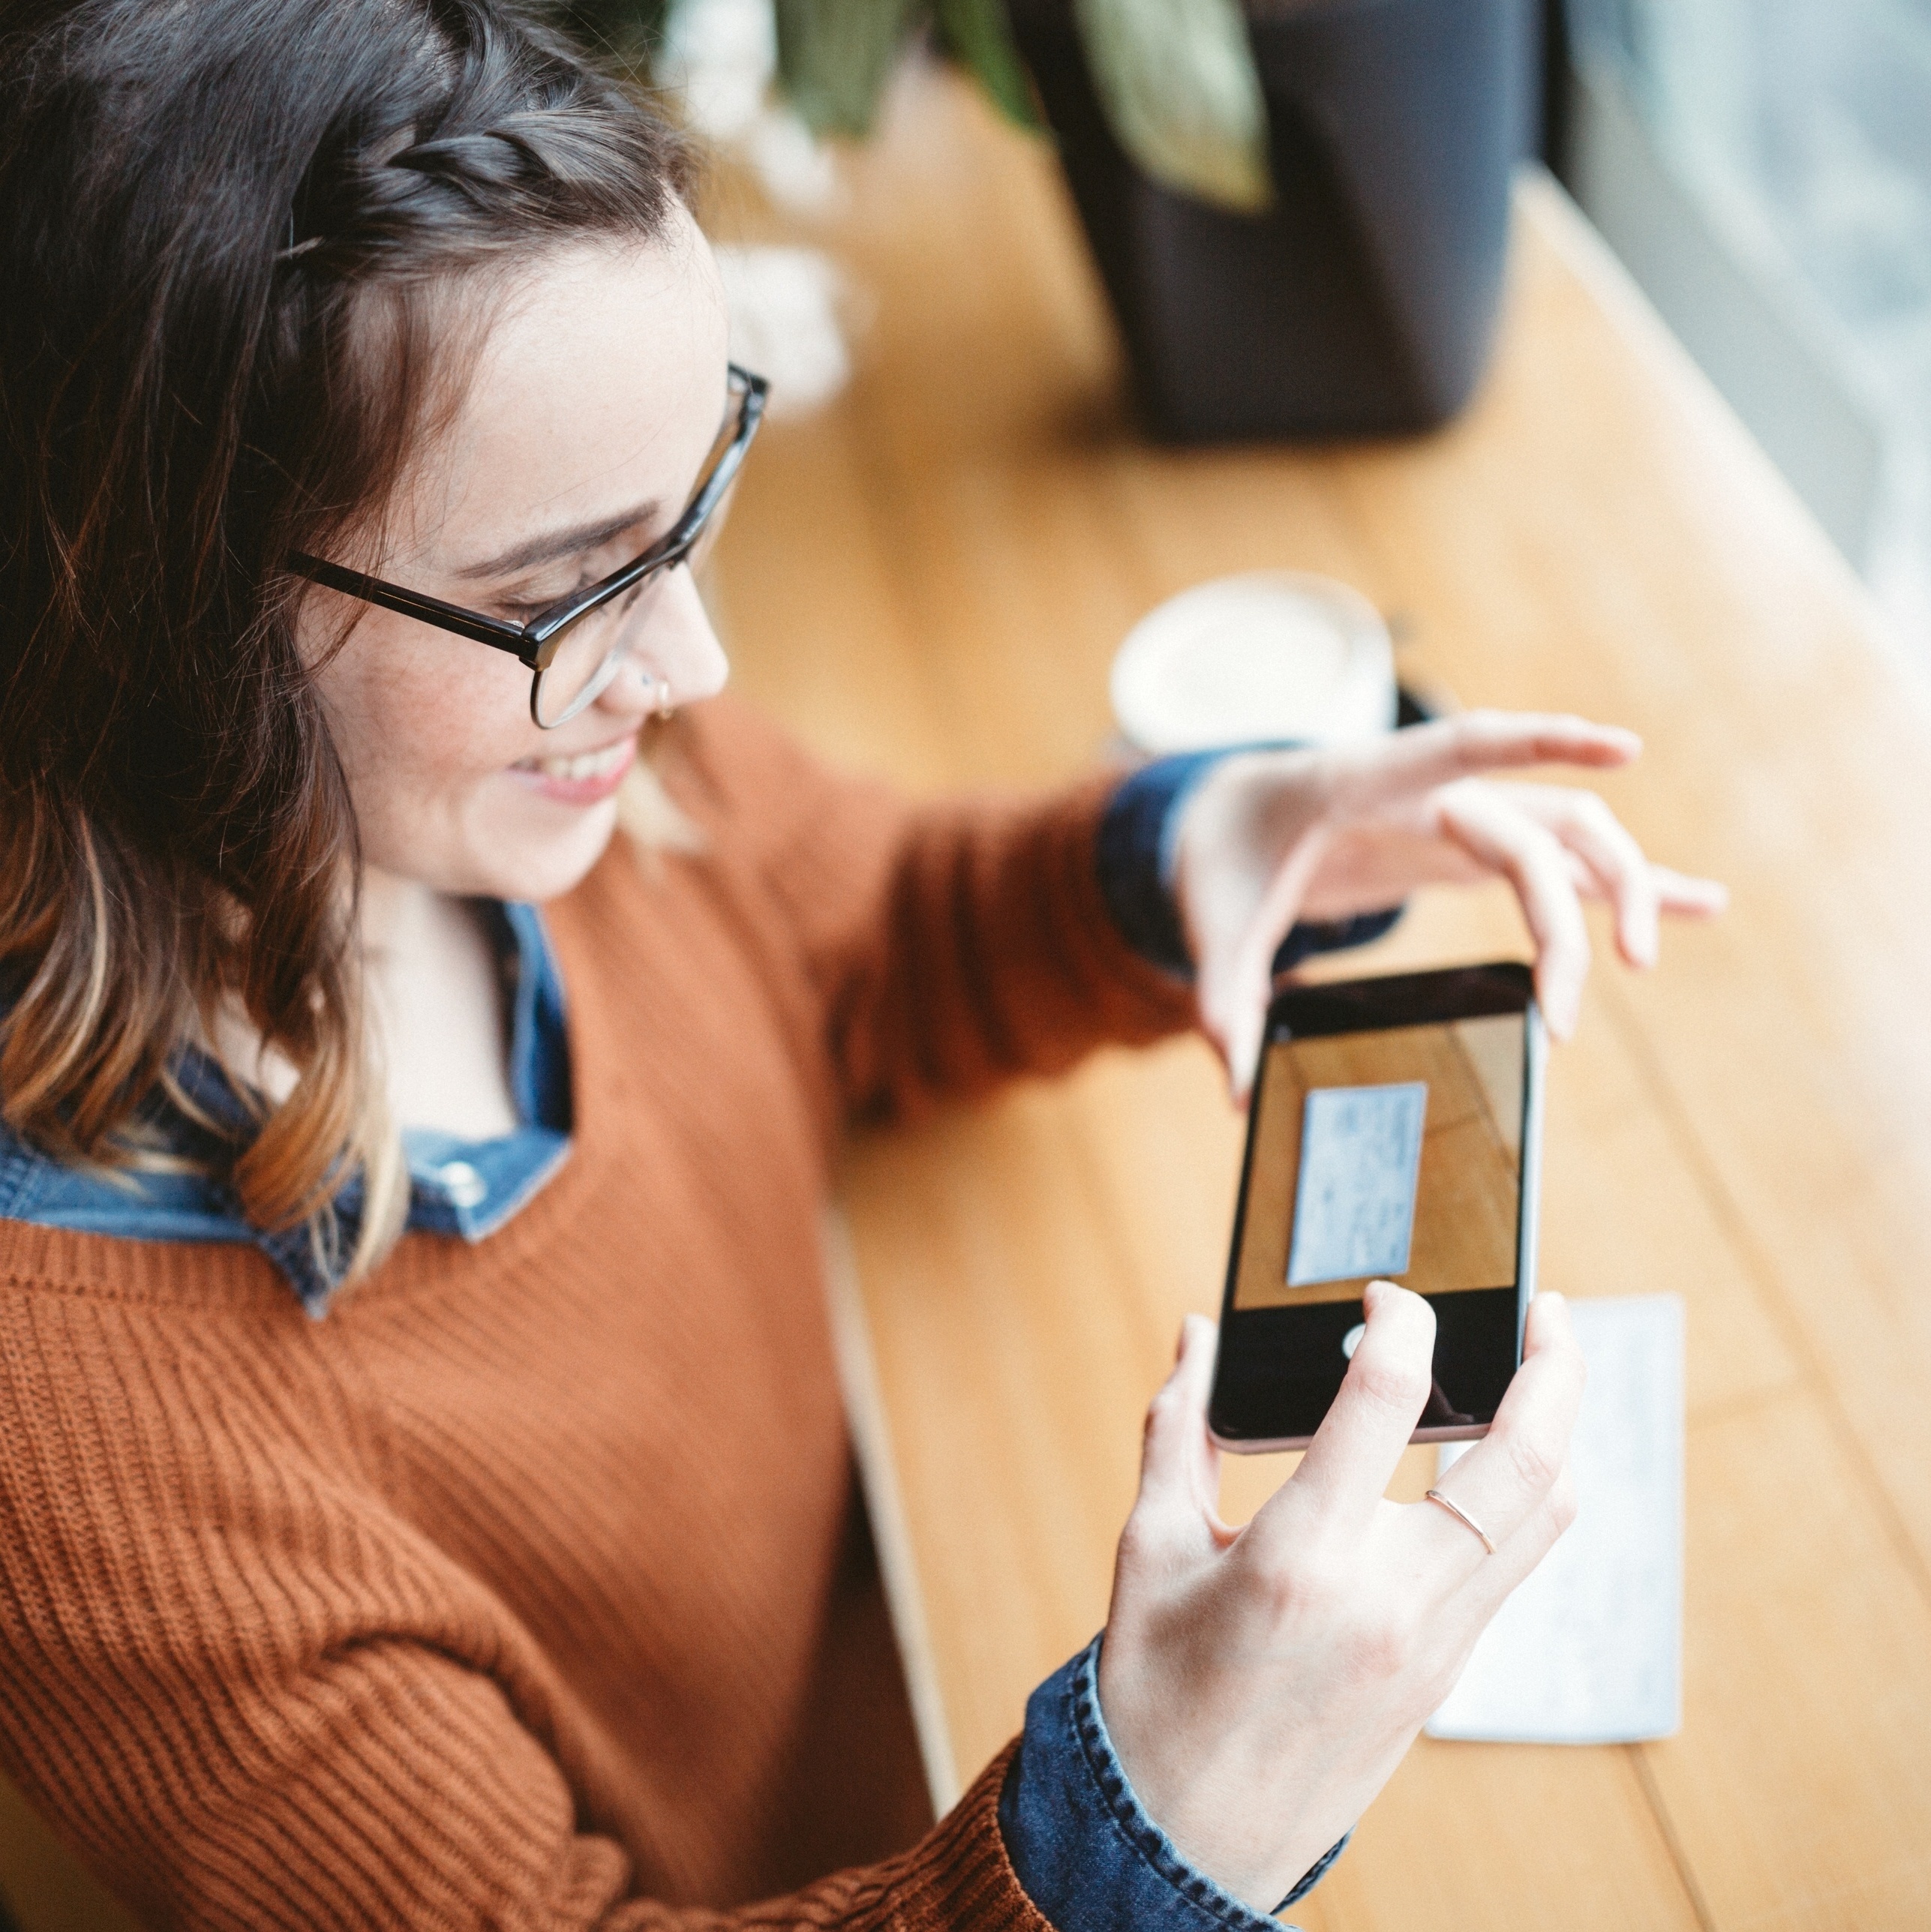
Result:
{"points": [[1231, 997], [1349, 1463], [1619, 869], [1179, 1468], [1236, 975], [1474, 1584], [1477, 741], [1608, 853], [1509, 1474], [1688, 897], [1495, 1579], [1505, 840]]}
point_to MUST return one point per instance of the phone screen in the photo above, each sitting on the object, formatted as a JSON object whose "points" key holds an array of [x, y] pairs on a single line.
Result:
{"points": [[1394, 1151], [1395, 1154]]}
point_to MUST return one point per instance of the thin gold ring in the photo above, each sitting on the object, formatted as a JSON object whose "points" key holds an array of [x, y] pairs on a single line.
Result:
{"points": [[1461, 1515]]}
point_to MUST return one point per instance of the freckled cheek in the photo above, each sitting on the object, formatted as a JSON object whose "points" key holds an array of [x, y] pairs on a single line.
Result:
{"points": [[419, 727]]}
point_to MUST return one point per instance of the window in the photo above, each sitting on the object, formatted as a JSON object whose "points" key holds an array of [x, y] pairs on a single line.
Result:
{"points": [[1764, 167]]}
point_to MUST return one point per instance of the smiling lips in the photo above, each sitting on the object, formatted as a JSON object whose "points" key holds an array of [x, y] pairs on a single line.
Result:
{"points": [[587, 778]]}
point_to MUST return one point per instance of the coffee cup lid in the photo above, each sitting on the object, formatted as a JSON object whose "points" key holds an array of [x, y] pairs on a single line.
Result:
{"points": [[1269, 656]]}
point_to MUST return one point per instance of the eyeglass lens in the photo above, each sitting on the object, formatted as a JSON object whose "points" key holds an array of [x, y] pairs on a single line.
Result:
{"points": [[591, 652]]}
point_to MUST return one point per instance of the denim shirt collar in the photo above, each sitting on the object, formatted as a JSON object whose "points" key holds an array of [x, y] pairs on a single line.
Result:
{"points": [[467, 1189]]}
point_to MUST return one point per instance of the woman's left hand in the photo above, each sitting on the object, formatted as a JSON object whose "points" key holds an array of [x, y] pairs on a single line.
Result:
{"points": [[1270, 837]]}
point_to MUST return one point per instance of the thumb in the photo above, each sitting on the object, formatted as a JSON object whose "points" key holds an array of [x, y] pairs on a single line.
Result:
{"points": [[1236, 980], [1236, 958], [1232, 1006]]}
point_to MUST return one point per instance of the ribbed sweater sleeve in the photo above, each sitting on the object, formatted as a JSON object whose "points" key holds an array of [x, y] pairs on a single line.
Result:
{"points": [[952, 944], [255, 1695], [397, 1791]]}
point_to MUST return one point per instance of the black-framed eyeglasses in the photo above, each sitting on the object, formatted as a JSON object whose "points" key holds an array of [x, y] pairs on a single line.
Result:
{"points": [[573, 661]]}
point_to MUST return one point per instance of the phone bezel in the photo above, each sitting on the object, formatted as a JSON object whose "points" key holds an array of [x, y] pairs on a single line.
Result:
{"points": [[1385, 1004]]}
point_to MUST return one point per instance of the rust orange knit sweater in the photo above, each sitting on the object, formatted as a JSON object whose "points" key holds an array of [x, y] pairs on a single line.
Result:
{"points": [[503, 1595]]}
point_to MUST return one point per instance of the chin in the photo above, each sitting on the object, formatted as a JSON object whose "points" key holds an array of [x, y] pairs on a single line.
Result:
{"points": [[539, 869]]}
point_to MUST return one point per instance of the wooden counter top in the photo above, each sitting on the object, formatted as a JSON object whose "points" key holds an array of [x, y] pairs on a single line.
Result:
{"points": [[928, 578]]}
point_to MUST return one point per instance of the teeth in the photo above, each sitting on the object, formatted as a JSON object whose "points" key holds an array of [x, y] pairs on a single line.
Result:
{"points": [[585, 765]]}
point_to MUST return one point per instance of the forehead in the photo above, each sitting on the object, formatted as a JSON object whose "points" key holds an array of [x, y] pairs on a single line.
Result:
{"points": [[597, 385]]}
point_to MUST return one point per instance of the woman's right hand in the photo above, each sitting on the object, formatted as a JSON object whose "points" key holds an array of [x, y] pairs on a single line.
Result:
{"points": [[1261, 1684]]}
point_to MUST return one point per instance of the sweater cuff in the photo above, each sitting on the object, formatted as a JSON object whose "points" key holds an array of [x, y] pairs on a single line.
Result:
{"points": [[1081, 1843], [958, 1875], [1137, 853]]}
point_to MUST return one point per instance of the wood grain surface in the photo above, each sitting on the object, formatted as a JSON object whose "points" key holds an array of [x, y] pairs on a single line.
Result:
{"points": [[928, 579]]}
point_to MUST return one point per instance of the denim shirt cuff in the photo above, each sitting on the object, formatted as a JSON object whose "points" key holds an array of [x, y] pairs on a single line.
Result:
{"points": [[1136, 852], [1085, 1850]]}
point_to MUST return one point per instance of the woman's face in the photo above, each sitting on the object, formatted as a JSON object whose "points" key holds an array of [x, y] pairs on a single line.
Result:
{"points": [[596, 400]]}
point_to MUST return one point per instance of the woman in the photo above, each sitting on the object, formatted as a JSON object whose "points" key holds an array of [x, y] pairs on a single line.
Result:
{"points": [[423, 1490]]}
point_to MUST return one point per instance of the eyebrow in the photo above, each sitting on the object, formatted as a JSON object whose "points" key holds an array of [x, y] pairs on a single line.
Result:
{"points": [[571, 542]]}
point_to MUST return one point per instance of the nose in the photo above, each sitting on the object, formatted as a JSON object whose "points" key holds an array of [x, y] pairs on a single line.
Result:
{"points": [[676, 657]]}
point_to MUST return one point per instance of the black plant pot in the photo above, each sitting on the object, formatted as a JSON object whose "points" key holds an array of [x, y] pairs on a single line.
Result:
{"points": [[1364, 302]]}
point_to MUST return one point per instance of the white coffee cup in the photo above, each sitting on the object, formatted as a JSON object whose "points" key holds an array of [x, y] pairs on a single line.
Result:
{"points": [[1269, 655]]}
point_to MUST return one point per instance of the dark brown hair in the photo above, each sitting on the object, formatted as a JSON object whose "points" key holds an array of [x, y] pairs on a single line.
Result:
{"points": [[229, 233]]}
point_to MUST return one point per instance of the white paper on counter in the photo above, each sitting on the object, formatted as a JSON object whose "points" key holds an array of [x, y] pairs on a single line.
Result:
{"points": [[1589, 1650]]}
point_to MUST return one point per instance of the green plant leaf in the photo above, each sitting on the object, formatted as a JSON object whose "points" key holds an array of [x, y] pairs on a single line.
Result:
{"points": [[1177, 80], [978, 33], [835, 57]]}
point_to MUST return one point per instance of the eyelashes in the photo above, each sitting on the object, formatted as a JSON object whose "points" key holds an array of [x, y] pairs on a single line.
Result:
{"points": [[518, 611], [521, 610]]}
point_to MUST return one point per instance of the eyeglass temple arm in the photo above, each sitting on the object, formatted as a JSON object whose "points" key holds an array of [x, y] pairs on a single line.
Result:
{"points": [[504, 636]]}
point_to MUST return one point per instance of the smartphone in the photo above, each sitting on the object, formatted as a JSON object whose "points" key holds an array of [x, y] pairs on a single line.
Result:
{"points": [[1394, 1133]]}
